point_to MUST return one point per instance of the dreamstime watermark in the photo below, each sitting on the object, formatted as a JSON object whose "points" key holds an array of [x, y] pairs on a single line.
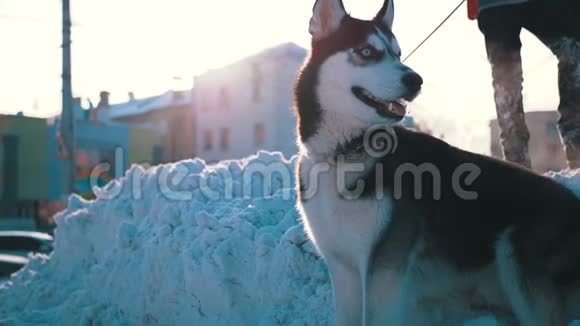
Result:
{"points": [[186, 181], [370, 166], [379, 141]]}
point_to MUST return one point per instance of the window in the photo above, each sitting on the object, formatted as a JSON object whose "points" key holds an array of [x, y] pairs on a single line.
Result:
{"points": [[225, 139], [207, 140], [256, 82], [224, 100], [206, 100], [260, 134]]}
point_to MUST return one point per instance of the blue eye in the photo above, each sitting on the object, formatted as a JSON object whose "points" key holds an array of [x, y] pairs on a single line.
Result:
{"points": [[368, 52]]}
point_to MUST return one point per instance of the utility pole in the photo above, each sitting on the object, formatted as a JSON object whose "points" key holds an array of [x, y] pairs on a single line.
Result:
{"points": [[67, 123]]}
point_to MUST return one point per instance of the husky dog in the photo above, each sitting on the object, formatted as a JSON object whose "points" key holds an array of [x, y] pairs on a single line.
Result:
{"points": [[424, 234]]}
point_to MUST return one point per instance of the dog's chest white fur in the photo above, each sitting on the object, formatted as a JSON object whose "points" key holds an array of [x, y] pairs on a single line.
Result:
{"points": [[343, 227]]}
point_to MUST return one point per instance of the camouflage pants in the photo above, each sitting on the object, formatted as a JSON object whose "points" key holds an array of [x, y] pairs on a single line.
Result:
{"points": [[568, 52], [507, 84], [555, 24]]}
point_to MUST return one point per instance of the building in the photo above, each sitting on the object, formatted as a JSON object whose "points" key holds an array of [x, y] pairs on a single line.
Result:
{"points": [[246, 106], [100, 141], [231, 112], [24, 176], [546, 151], [169, 114], [116, 145], [31, 168]]}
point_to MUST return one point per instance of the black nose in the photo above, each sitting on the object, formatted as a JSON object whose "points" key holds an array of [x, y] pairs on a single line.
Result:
{"points": [[413, 82]]}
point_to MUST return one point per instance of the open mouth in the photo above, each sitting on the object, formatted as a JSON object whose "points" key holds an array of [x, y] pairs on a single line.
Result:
{"points": [[391, 109]]}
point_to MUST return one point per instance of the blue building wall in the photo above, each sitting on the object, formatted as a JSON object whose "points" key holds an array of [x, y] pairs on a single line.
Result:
{"points": [[94, 135], [90, 136]]}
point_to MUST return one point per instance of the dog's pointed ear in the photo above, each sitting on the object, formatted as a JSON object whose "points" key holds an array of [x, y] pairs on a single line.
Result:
{"points": [[327, 16], [387, 13]]}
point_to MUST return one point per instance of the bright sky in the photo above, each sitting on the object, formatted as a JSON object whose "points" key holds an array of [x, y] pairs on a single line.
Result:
{"points": [[141, 45]]}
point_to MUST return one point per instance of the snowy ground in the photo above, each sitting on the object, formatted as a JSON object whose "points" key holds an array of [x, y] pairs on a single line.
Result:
{"points": [[181, 244]]}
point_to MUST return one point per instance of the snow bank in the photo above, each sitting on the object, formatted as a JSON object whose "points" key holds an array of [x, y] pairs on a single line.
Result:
{"points": [[181, 244], [214, 248]]}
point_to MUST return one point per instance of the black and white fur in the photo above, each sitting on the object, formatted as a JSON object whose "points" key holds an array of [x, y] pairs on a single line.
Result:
{"points": [[513, 252]]}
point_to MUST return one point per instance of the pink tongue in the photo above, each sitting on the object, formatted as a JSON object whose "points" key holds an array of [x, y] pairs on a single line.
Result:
{"points": [[395, 108]]}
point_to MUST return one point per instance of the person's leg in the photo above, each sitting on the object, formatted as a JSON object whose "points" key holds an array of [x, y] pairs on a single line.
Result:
{"points": [[556, 24], [568, 52], [501, 28]]}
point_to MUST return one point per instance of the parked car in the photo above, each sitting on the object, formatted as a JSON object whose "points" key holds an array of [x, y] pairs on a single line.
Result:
{"points": [[10, 264], [20, 243]]}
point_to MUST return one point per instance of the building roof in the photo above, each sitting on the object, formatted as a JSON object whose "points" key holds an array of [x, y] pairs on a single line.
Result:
{"points": [[288, 49], [146, 105], [284, 49], [171, 98]]}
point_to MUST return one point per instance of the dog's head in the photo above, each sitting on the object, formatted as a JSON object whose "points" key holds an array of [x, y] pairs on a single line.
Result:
{"points": [[354, 69]]}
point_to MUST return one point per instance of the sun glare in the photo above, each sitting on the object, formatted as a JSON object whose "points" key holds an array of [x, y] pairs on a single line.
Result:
{"points": [[148, 47]]}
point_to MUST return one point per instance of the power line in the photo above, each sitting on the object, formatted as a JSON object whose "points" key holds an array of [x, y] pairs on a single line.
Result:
{"points": [[435, 30]]}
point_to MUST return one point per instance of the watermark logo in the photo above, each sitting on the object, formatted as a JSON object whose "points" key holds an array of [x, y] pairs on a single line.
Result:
{"points": [[368, 171], [380, 140]]}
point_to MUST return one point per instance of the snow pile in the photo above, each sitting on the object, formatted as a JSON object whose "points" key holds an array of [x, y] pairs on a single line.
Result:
{"points": [[182, 244], [214, 248], [569, 178]]}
